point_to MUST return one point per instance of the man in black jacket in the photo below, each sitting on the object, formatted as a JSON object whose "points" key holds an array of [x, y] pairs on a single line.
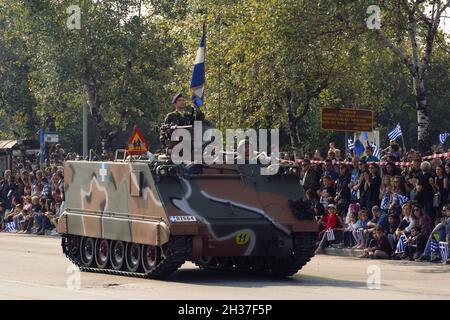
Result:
{"points": [[309, 178], [7, 188]]}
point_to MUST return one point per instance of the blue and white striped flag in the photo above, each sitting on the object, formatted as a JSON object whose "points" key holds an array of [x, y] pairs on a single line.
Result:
{"points": [[330, 235], [401, 245], [198, 75], [395, 133], [385, 202], [402, 199], [434, 246], [10, 226], [443, 248], [443, 137], [350, 144], [358, 235], [376, 152]]}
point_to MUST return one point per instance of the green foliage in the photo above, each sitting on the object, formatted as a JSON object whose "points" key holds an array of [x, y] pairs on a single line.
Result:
{"points": [[263, 57]]}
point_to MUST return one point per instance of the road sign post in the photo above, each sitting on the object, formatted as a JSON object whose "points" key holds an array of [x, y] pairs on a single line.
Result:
{"points": [[359, 120], [136, 144]]}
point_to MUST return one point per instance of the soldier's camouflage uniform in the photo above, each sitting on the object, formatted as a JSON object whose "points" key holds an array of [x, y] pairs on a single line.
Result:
{"points": [[185, 118]]}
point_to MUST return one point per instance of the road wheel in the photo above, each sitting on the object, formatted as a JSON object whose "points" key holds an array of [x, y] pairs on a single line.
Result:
{"points": [[117, 254], [150, 257], [102, 253], [87, 249], [133, 256]]}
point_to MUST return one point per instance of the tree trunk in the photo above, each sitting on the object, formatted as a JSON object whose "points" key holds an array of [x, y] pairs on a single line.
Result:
{"points": [[423, 120], [294, 133]]}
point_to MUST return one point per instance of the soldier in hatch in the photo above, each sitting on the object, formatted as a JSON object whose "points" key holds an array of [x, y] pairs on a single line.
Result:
{"points": [[182, 116]]}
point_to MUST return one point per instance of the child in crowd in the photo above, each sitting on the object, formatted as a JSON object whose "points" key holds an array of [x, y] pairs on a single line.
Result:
{"points": [[333, 224], [348, 232], [361, 228], [407, 245], [382, 248], [392, 227]]}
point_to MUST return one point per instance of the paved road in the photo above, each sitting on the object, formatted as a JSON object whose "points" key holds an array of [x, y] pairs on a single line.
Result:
{"points": [[33, 267]]}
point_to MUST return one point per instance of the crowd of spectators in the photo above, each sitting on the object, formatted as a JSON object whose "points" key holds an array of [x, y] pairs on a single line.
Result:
{"points": [[397, 209], [32, 199]]}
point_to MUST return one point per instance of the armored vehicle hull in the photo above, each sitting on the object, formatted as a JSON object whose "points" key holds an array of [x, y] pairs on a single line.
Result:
{"points": [[146, 219]]}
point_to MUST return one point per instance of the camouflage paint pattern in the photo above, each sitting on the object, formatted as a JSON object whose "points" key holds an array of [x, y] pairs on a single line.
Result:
{"points": [[231, 210]]}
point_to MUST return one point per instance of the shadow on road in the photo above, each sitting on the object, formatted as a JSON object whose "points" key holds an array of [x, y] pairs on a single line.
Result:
{"points": [[246, 280]]}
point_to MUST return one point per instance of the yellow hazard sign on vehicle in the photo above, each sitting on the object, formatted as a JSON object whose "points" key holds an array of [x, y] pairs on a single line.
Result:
{"points": [[242, 238], [136, 144]]}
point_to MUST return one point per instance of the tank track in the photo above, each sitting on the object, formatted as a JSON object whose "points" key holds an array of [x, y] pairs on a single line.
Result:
{"points": [[304, 247], [175, 254]]}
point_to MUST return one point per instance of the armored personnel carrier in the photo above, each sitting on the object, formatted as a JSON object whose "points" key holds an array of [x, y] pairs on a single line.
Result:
{"points": [[146, 218]]}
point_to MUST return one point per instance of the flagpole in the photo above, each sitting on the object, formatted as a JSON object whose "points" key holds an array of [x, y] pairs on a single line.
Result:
{"points": [[220, 74], [404, 147]]}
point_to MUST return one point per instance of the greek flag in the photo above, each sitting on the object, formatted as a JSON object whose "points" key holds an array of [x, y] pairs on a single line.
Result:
{"points": [[350, 144], [401, 199], [434, 246], [401, 245], [330, 235], [443, 137], [10, 226], [198, 75], [386, 201], [375, 150], [358, 235], [443, 248], [395, 133]]}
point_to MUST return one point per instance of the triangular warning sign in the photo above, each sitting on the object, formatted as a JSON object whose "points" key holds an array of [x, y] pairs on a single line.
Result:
{"points": [[136, 144]]}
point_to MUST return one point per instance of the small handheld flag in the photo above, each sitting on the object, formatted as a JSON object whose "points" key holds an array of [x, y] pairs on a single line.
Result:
{"points": [[198, 75], [401, 244], [443, 137], [359, 148], [376, 150], [330, 235], [10, 226], [350, 144], [396, 132], [443, 248]]}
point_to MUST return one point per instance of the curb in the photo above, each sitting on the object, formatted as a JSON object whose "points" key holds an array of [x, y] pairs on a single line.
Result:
{"points": [[344, 252]]}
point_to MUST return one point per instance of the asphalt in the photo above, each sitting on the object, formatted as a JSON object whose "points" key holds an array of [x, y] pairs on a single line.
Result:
{"points": [[33, 267]]}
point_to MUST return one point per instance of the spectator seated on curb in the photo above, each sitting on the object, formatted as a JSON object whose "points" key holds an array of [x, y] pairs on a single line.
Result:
{"points": [[393, 226], [382, 249], [441, 233], [19, 220], [360, 232], [408, 222], [13, 216], [333, 229], [351, 226], [407, 246]]}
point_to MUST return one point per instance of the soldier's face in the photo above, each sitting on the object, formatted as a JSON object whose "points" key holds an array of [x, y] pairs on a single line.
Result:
{"points": [[180, 103]]}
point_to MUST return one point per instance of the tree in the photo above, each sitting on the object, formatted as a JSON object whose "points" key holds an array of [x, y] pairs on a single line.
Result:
{"points": [[420, 20], [267, 62], [120, 59]]}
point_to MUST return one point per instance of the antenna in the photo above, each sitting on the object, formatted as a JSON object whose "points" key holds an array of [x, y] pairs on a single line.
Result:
{"points": [[220, 73]]}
